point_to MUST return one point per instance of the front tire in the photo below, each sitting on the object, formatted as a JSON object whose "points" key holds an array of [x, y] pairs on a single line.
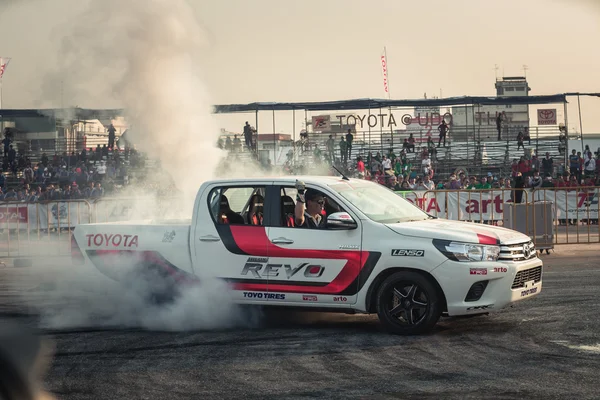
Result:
{"points": [[408, 304]]}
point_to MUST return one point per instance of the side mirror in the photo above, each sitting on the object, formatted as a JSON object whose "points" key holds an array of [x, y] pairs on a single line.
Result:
{"points": [[341, 220]]}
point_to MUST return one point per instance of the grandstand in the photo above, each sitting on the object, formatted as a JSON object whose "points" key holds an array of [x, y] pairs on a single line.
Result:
{"points": [[479, 155], [470, 146]]}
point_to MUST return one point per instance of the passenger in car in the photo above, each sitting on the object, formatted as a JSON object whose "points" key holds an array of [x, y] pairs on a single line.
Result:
{"points": [[309, 206]]}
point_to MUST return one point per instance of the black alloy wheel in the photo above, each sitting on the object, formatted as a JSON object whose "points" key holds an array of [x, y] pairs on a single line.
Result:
{"points": [[408, 304]]}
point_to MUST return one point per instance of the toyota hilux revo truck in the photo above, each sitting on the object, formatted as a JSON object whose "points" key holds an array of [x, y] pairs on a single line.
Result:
{"points": [[375, 252]]}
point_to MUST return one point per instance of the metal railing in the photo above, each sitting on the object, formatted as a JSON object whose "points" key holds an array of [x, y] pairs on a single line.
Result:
{"points": [[40, 229], [550, 216]]}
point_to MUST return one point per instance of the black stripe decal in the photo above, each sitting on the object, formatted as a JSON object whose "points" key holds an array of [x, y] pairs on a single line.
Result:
{"points": [[272, 282], [226, 236], [358, 283]]}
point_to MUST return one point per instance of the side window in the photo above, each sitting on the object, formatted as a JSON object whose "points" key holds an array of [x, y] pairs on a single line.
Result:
{"points": [[288, 207], [239, 205]]}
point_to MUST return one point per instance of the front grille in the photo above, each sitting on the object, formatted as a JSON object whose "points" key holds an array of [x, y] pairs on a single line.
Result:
{"points": [[516, 252], [531, 274]]}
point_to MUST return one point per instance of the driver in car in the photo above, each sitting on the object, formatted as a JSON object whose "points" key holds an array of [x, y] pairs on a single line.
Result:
{"points": [[309, 206]]}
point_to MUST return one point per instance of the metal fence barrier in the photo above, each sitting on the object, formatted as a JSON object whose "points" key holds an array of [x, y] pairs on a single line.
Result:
{"points": [[40, 229], [550, 216]]}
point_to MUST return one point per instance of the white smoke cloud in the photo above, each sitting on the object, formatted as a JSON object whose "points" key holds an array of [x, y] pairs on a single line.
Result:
{"points": [[144, 55], [67, 297]]}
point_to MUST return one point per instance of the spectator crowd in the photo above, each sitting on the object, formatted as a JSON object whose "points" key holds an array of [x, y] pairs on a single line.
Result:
{"points": [[79, 175], [399, 173]]}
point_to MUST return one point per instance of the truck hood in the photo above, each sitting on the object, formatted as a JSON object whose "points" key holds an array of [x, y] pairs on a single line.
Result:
{"points": [[467, 232]]}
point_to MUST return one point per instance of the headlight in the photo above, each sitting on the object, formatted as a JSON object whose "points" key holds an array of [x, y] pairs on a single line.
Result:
{"points": [[466, 251]]}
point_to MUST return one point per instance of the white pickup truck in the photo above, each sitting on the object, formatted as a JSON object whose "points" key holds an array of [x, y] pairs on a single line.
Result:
{"points": [[376, 253]]}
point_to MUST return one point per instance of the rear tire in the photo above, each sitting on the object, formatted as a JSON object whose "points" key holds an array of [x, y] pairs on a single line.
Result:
{"points": [[408, 304], [155, 285]]}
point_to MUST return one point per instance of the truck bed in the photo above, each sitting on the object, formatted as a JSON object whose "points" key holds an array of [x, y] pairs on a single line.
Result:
{"points": [[116, 247]]}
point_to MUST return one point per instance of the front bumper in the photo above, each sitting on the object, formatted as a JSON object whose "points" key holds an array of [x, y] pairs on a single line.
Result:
{"points": [[498, 278]]}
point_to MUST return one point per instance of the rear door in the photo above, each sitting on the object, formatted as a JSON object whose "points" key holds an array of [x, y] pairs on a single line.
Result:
{"points": [[313, 266], [224, 240]]}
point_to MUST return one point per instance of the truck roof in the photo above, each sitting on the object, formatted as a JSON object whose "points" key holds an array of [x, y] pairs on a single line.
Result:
{"points": [[291, 179]]}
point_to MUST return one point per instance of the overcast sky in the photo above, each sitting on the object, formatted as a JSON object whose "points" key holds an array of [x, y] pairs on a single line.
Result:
{"points": [[311, 50]]}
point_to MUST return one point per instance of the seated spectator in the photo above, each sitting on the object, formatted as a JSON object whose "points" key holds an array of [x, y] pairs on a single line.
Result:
{"points": [[405, 186], [473, 184], [11, 195], [379, 177], [547, 183], [419, 184], [561, 183], [486, 182], [536, 180], [427, 183], [97, 192], [573, 182], [454, 183], [393, 183], [400, 179]]}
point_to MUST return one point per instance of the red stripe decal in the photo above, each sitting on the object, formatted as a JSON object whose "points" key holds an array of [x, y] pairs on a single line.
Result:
{"points": [[255, 242], [485, 239], [103, 262]]}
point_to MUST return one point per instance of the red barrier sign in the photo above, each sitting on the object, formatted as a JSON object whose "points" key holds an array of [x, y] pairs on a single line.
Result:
{"points": [[13, 215]]}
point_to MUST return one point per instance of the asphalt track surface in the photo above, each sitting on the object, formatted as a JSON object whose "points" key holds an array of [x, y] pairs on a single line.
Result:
{"points": [[545, 348]]}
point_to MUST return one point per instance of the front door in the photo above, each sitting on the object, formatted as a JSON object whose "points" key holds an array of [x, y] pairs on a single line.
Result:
{"points": [[320, 266]]}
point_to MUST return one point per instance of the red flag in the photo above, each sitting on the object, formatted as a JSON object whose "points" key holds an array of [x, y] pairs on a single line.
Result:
{"points": [[3, 64], [384, 71]]}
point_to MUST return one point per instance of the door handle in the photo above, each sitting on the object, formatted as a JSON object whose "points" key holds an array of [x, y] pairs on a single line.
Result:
{"points": [[282, 240], [209, 238]]}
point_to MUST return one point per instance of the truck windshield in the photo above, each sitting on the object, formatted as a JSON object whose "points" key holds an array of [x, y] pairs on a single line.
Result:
{"points": [[379, 203]]}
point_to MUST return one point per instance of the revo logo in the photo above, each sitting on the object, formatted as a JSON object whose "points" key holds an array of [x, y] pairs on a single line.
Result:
{"points": [[274, 270]]}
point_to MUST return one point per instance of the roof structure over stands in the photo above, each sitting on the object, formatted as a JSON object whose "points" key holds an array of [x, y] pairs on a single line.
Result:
{"points": [[363, 104], [356, 104]]}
